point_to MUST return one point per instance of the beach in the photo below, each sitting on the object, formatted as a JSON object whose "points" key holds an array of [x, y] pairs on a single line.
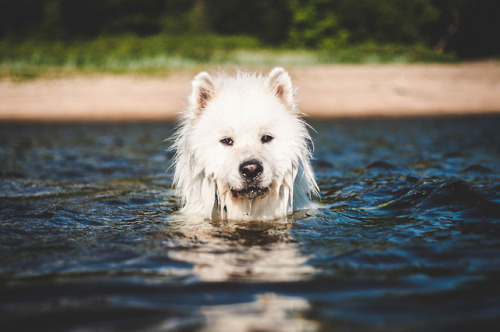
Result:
{"points": [[322, 91]]}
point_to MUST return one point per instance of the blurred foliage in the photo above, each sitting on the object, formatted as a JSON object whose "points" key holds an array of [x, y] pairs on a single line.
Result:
{"points": [[385, 21], [156, 55], [268, 20], [146, 33], [315, 25], [124, 53]]}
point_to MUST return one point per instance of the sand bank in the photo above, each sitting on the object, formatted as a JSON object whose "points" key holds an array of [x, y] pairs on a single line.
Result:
{"points": [[323, 91]]}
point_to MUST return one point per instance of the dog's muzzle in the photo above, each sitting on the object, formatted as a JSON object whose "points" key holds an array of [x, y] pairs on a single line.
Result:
{"points": [[250, 172]]}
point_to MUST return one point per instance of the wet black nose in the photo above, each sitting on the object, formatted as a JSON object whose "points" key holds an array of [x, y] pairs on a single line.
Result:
{"points": [[251, 169]]}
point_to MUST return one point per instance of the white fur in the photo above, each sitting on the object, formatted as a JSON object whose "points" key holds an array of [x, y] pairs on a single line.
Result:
{"points": [[243, 108]]}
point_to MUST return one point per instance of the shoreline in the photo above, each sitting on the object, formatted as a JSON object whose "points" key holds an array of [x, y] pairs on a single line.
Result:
{"points": [[323, 91]]}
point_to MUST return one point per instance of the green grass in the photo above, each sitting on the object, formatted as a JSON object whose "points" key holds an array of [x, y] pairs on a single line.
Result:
{"points": [[158, 55]]}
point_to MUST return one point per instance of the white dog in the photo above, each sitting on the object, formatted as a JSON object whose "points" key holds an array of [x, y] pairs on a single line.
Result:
{"points": [[242, 151]]}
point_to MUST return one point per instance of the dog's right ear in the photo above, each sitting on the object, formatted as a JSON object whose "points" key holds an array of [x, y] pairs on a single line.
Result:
{"points": [[202, 91], [279, 83]]}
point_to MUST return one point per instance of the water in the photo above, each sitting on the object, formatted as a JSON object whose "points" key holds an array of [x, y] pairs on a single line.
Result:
{"points": [[408, 236]]}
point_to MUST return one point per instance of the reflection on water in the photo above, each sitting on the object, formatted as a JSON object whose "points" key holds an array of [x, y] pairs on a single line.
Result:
{"points": [[245, 251], [268, 312], [407, 238], [257, 250]]}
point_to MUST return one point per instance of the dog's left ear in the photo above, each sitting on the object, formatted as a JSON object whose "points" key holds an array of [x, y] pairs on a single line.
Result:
{"points": [[279, 83]]}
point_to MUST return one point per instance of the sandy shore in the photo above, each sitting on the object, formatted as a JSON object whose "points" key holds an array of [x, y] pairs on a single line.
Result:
{"points": [[323, 91]]}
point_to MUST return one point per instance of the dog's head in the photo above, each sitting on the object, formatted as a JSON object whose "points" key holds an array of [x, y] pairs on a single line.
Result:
{"points": [[245, 131]]}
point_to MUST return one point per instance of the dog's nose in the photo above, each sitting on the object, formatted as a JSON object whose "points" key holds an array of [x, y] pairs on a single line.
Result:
{"points": [[251, 169]]}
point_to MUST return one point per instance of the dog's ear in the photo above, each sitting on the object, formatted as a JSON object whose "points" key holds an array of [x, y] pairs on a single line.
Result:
{"points": [[202, 91], [279, 83]]}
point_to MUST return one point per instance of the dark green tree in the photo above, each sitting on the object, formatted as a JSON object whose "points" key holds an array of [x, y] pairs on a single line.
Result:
{"points": [[468, 27], [386, 21], [268, 20], [315, 24]]}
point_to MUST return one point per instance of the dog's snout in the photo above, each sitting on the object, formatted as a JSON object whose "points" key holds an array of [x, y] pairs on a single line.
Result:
{"points": [[251, 169]]}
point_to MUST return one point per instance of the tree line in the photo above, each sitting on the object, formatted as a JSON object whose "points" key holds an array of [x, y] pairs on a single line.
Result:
{"points": [[470, 28]]}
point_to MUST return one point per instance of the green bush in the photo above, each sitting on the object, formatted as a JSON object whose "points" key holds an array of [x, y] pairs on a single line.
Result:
{"points": [[390, 53], [162, 53], [118, 53]]}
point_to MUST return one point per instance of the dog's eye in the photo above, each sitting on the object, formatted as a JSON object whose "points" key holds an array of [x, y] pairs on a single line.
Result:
{"points": [[227, 141], [266, 138]]}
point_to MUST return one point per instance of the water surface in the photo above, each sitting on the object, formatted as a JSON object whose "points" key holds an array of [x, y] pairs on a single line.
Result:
{"points": [[408, 236]]}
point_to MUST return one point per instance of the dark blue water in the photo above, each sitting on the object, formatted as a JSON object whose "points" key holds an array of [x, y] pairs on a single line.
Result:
{"points": [[408, 237]]}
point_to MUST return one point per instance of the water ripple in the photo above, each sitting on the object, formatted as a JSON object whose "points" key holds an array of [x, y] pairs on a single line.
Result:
{"points": [[407, 236]]}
